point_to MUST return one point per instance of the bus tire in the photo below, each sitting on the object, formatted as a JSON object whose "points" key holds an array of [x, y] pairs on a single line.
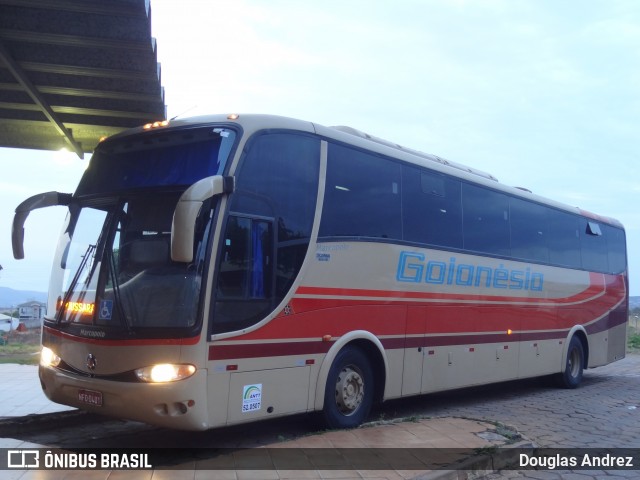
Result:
{"points": [[349, 391], [574, 365]]}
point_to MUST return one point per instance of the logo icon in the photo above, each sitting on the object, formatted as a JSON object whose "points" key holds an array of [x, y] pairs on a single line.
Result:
{"points": [[92, 362], [23, 459]]}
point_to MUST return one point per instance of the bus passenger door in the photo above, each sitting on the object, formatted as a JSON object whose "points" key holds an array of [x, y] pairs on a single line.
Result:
{"points": [[244, 291], [414, 351]]}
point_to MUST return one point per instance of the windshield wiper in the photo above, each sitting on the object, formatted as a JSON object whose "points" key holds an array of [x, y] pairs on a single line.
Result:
{"points": [[117, 297], [72, 286]]}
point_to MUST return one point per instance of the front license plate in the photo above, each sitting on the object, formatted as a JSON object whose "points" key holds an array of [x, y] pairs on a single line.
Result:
{"points": [[90, 397]]}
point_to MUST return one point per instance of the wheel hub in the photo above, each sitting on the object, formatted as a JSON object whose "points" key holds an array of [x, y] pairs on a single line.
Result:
{"points": [[349, 390]]}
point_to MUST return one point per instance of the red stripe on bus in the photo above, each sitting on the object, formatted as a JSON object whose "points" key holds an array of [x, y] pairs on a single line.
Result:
{"points": [[480, 339], [285, 348], [337, 318], [256, 350], [384, 315]]}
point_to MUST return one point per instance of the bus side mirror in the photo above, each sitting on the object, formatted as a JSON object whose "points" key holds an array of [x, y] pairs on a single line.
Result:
{"points": [[42, 200], [187, 209]]}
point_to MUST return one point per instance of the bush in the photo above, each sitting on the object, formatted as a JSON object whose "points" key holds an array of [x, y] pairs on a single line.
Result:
{"points": [[633, 341]]}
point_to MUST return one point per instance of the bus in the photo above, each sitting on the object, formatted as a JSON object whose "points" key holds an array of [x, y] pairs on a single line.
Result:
{"points": [[230, 268]]}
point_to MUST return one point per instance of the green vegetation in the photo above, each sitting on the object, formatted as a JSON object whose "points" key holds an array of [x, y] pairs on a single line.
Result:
{"points": [[20, 347], [510, 433], [633, 341], [633, 331], [21, 353]]}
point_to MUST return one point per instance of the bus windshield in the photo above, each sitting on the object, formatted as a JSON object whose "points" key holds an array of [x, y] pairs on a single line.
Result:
{"points": [[165, 159], [113, 267]]}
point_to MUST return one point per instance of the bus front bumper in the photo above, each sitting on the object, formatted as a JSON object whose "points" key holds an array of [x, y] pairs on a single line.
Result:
{"points": [[181, 404]]}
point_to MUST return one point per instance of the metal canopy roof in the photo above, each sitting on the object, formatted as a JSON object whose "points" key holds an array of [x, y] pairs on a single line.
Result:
{"points": [[73, 71]]}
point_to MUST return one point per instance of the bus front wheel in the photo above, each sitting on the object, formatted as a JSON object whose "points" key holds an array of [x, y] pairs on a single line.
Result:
{"points": [[574, 365], [349, 392]]}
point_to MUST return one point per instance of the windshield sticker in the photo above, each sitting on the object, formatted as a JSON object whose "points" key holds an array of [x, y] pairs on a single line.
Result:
{"points": [[323, 257], [251, 398], [106, 310]]}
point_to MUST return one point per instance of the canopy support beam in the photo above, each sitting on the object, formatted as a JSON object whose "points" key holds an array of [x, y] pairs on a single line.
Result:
{"points": [[39, 100]]}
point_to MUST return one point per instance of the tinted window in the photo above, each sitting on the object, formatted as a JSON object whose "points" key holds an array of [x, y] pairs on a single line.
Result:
{"points": [[431, 208], [617, 247], [594, 246], [485, 220], [529, 230], [362, 196], [246, 274], [278, 179], [171, 158], [564, 239], [268, 229]]}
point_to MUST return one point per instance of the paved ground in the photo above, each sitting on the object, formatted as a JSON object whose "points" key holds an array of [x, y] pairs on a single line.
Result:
{"points": [[604, 412], [21, 393]]}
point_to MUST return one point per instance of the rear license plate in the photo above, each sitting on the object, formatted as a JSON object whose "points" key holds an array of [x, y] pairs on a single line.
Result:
{"points": [[90, 397]]}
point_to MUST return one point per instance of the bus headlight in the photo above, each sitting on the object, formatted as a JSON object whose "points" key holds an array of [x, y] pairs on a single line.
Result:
{"points": [[165, 372], [48, 358]]}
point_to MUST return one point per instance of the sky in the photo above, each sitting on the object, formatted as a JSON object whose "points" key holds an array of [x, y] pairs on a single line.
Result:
{"points": [[542, 94]]}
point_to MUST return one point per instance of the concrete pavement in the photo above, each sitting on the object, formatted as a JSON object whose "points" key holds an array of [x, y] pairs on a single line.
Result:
{"points": [[21, 395]]}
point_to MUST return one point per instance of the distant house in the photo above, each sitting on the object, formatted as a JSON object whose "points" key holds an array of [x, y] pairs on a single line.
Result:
{"points": [[32, 313]]}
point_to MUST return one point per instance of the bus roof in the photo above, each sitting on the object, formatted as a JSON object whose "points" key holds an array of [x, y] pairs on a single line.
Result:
{"points": [[252, 123]]}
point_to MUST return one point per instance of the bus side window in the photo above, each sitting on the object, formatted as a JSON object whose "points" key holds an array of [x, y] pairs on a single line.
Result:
{"points": [[431, 208], [594, 247], [362, 195], [485, 220], [269, 225], [617, 246], [529, 230], [564, 239], [245, 278], [246, 265]]}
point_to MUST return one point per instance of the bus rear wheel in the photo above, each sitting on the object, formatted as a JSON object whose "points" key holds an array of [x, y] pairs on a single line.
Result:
{"points": [[349, 391], [574, 365]]}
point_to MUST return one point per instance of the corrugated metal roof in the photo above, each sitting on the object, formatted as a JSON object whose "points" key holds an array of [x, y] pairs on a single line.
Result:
{"points": [[72, 71]]}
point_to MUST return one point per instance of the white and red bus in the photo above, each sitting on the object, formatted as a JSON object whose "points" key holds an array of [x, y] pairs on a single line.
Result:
{"points": [[226, 269]]}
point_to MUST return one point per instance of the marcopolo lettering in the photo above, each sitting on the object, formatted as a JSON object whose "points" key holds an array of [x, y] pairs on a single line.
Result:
{"points": [[414, 267]]}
